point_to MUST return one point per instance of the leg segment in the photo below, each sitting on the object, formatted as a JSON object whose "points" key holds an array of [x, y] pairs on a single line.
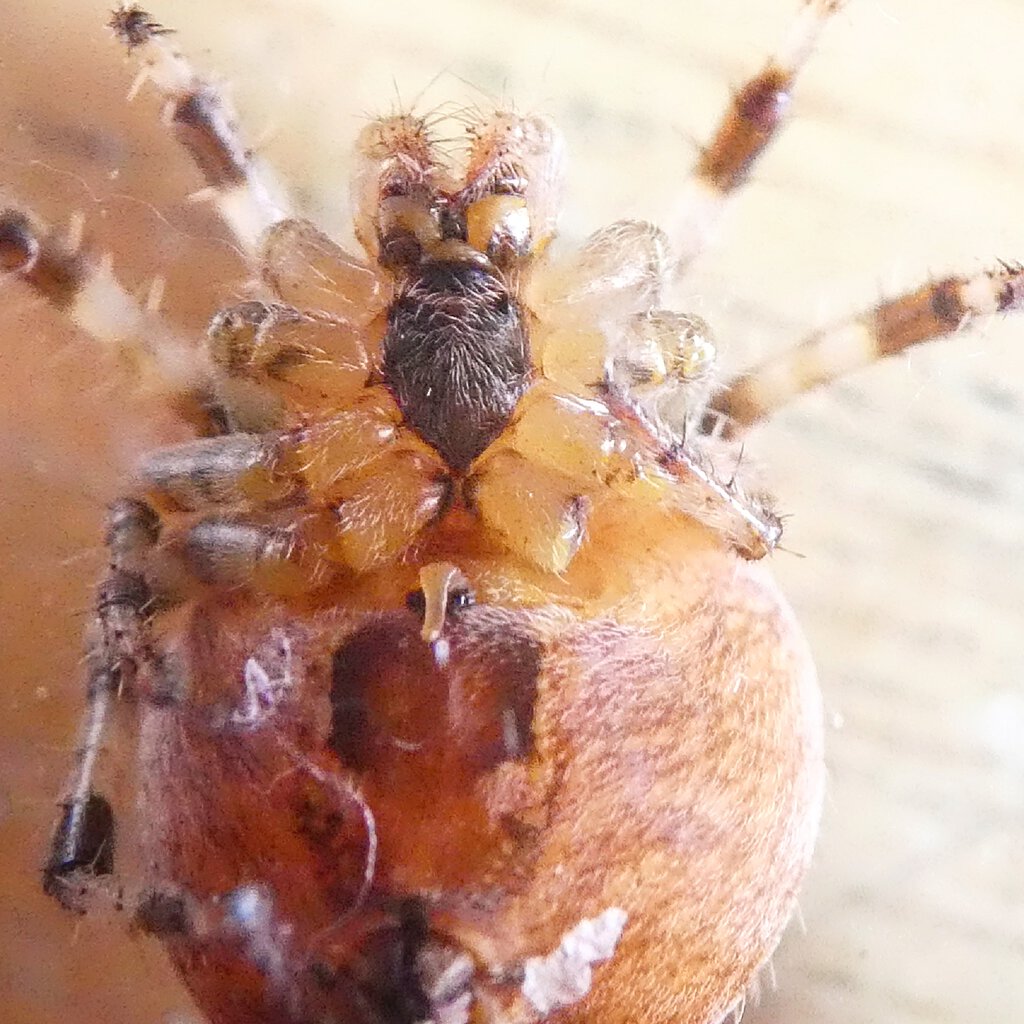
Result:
{"points": [[273, 361], [936, 309], [291, 507], [204, 123], [513, 187], [619, 271], [534, 488], [82, 851], [60, 267], [82, 848], [309, 271], [252, 471], [371, 518], [754, 118], [229, 470]]}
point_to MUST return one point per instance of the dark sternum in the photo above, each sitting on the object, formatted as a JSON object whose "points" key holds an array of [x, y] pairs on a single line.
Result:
{"points": [[456, 357]]}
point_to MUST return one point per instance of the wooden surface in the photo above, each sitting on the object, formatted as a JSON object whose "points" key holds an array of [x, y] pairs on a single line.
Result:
{"points": [[905, 485]]}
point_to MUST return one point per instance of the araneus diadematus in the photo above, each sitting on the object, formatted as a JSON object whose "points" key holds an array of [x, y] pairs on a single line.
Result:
{"points": [[500, 507]]}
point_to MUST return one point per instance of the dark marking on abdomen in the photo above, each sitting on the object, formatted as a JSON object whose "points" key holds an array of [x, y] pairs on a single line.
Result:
{"points": [[394, 709]]}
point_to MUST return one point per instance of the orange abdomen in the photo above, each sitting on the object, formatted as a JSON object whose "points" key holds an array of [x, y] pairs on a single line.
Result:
{"points": [[653, 748]]}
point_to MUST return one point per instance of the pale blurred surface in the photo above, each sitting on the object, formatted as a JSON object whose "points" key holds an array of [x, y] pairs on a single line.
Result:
{"points": [[906, 485]]}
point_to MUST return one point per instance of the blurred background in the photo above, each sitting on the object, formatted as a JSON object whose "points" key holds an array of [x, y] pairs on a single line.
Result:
{"points": [[905, 485]]}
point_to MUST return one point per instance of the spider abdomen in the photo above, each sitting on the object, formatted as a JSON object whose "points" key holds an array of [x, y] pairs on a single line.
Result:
{"points": [[428, 821]]}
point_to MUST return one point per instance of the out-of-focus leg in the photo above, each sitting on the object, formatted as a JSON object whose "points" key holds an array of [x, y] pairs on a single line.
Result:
{"points": [[204, 123], [61, 268], [936, 309], [754, 118], [82, 848], [564, 454]]}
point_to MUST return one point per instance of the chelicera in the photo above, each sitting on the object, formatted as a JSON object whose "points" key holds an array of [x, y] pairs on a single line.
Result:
{"points": [[460, 692]]}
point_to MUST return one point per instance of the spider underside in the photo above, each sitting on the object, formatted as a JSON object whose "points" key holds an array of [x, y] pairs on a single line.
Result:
{"points": [[461, 395]]}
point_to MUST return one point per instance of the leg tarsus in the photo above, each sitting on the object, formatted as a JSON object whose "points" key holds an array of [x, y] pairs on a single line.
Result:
{"points": [[203, 122], [82, 850]]}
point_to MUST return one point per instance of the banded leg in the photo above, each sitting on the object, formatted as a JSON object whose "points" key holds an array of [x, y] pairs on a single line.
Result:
{"points": [[238, 477], [369, 489], [61, 268], [204, 123], [373, 517], [755, 116], [936, 309], [82, 849]]}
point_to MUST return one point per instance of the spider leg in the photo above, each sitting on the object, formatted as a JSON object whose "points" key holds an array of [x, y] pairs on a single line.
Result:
{"points": [[284, 511], [236, 478], [370, 519], [62, 268], [271, 359], [755, 116], [936, 309], [308, 270], [202, 120], [82, 848], [535, 487], [621, 270], [746, 521], [599, 322]]}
